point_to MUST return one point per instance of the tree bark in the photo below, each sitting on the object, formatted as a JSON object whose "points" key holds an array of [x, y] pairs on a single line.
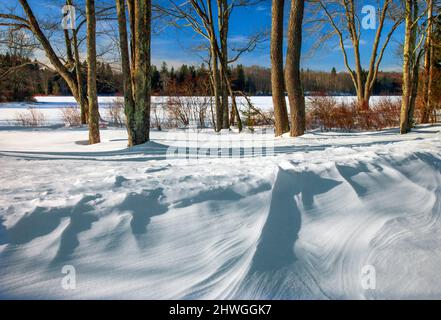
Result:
{"points": [[277, 77], [69, 53], [142, 89], [131, 13], [136, 67], [94, 117], [293, 80]]}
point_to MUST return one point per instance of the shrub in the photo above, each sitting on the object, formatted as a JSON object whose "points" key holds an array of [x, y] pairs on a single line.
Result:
{"points": [[115, 114], [254, 116], [319, 113], [325, 113], [31, 118], [387, 113], [342, 117], [159, 118], [71, 116], [183, 110]]}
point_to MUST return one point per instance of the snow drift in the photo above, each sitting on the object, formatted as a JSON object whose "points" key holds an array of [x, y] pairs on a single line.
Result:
{"points": [[302, 224]]}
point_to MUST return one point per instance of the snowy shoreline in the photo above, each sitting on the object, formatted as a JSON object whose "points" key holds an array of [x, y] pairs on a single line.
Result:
{"points": [[51, 106]]}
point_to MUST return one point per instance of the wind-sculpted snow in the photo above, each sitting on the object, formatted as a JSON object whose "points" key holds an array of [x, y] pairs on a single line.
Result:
{"points": [[301, 224]]}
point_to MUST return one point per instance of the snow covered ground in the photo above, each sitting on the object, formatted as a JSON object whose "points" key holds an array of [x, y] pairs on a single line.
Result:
{"points": [[198, 215]]}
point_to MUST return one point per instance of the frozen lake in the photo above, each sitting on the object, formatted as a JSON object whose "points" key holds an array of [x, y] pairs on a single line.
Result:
{"points": [[50, 105]]}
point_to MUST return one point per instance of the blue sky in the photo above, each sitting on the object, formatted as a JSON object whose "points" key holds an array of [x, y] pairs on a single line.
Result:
{"points": [[175, 45]]}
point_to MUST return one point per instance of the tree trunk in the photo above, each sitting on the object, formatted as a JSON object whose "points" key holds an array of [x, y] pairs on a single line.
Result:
{"points": [[351, 21], [428, 67], [362, 103], [216, 86], [293, 80], [94, 117], [69, 54], [407, 51], [413, 90], [277, 77], [81, 95], [234, 108], [142, 90], [223, 23], [131, 14], [129, 103], [224, 102], [415, 66], [82, 98], [136, 67]]}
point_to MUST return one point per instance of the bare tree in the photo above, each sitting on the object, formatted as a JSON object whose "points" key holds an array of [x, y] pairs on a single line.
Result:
{"points": [[63, 66], [344, 20], [19, 45], [199, 15], [292, 72], [277, 77], [136, 67], [63, 60], [31, 23]]}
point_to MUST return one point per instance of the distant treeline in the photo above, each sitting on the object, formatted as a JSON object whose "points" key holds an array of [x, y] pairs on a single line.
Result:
{"points": [[256, 80], [22, 78]]}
